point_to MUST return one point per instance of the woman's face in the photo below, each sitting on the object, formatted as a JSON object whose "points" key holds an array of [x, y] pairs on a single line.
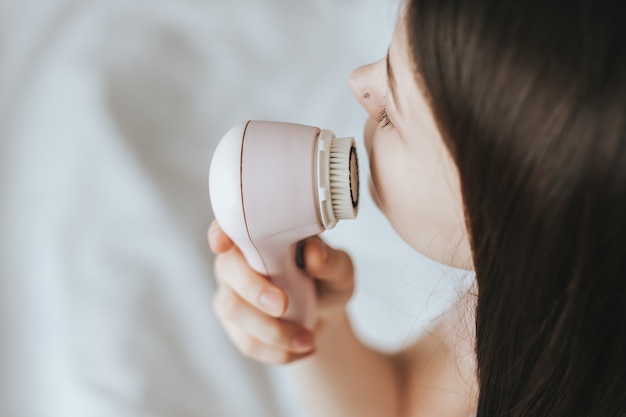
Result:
{"points": [[414, 181]]}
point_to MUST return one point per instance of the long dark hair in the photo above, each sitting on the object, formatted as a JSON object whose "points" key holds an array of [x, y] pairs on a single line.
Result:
{"points": [[530, 97]]}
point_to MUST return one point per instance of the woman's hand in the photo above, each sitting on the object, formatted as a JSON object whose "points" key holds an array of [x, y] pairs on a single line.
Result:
{"points": [[250, 307]]}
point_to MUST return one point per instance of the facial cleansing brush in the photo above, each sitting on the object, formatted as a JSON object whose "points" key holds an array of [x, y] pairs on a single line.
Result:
{"points": [[273, 184]]}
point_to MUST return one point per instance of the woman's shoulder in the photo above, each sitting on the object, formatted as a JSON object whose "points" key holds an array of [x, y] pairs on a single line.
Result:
{"points": [[439, 369]]}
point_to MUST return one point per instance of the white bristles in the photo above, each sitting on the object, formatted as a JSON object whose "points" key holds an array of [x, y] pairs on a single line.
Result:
{"points": [[343, 180]]}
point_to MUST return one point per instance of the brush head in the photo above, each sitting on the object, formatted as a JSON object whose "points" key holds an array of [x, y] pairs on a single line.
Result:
{"points": [[338, 178], [344, 178]]}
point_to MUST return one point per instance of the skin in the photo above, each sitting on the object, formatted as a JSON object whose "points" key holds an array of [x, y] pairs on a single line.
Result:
{"points": [[415, 184], [413, 178]]}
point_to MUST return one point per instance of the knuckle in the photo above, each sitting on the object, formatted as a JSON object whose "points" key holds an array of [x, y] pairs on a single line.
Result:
{"points": [[252, 291], [228, 305], [280, 358], [248, 347], [340, 267], [256, 350], [276, 335], [346, 262]]}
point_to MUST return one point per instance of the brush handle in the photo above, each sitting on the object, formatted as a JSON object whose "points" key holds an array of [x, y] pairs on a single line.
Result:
{"points": [[279, 194]]}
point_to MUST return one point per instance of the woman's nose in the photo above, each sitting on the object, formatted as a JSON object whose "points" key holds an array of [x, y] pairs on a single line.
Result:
{"points": [[368, 84]]}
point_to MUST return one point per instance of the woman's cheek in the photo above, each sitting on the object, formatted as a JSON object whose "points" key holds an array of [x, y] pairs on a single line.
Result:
{"points": [[369, 134], [387, 177]]}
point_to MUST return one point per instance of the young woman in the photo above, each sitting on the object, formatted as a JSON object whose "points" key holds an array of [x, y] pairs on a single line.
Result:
{"points": [[497, 142]]}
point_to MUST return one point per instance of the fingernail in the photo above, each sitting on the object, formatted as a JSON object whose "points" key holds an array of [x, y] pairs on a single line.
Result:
{"points": [[272, 302], [302, 343], [300, 254]]}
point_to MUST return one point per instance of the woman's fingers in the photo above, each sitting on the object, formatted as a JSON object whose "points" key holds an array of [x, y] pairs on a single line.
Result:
{"points": [[281, 334], [232, 270], [332, 268], [218, 241], [259, 351], [249, 306]]}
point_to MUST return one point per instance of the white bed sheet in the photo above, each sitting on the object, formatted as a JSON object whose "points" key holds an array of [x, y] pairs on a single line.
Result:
{"points": [[109, 112]]}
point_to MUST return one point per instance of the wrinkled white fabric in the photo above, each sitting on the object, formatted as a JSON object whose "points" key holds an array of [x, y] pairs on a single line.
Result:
{"points": [[109, 112]]}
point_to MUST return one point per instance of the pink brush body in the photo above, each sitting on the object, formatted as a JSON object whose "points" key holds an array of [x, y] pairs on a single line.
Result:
{"points": [[264, 195]]}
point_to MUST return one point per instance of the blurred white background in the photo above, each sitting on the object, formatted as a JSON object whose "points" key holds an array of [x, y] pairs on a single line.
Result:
{"points": [[109, 113]]}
